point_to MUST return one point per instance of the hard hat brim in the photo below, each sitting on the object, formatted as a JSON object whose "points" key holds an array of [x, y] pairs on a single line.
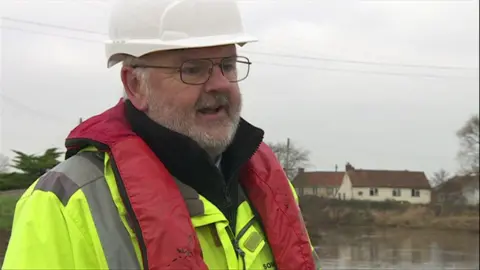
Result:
{"points": [[116, 50]]}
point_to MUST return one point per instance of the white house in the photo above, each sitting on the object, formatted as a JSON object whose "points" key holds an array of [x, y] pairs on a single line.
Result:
{"points": [[382, 185]]}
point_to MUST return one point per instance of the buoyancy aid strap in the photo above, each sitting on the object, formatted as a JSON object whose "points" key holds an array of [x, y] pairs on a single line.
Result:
{"points": [[270, 194], [153, 198]]}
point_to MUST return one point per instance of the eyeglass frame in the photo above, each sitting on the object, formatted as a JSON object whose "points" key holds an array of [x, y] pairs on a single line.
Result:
{"points": [[219, 64]]}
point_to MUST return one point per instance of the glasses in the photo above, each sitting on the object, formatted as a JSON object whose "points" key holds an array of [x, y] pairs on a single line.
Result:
{"points": [[199, 71]]}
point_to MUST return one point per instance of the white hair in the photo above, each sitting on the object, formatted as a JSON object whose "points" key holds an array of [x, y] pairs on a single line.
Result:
{"points": [[140, 73]]}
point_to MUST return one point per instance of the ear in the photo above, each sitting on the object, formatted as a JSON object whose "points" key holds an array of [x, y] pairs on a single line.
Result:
{"points": [[133, 87]]}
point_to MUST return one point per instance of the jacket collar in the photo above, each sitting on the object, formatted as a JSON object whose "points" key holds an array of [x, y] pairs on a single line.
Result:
{"points": [[187, 161]]}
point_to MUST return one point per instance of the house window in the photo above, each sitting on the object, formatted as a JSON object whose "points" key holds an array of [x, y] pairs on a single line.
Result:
{"points": [[315, 190], [374, 192], [360, 193], [329, 191], [415, 193], [397, 192]]}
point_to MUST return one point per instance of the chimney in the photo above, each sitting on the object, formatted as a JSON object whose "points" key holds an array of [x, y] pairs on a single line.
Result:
{"points": [[349, 167], [336, 167], [300, 171]]}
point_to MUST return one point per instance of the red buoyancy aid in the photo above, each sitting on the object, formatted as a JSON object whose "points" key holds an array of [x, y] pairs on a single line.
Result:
{"points": [[160, 217]]}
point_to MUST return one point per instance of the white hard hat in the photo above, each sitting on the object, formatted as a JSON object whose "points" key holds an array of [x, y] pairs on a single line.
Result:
{"points": [[139, 27]]}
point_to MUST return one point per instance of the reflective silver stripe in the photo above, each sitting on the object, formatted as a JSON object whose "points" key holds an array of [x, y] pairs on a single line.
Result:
{"points": [[69, 176], [192, 199], [59, 184], [85, 171], [116, 242]]}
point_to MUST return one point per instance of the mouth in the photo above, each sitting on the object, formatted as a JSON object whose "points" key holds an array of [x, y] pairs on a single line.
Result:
{"points": [[211, 110]]}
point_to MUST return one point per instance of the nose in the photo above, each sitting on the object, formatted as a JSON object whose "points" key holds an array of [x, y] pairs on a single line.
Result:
{"points": [[217, 81]]}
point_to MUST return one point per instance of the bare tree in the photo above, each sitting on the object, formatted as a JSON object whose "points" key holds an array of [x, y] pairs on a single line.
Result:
{"points": [[440, 177], [291, 157], [4, 163], [468, 135]]}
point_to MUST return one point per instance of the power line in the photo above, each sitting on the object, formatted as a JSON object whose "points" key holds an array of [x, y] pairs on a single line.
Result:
{"points": [[48, 34], [270, 63], [427, 75], [35, 112], [360, 62], [350, 61], [52, 26]]}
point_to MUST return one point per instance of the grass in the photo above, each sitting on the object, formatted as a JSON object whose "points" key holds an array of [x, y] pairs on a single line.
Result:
{"points": [[7, 209]]}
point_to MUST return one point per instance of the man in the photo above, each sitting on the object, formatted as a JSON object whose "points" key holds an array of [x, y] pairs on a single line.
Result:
{"points": [[171, 177]]}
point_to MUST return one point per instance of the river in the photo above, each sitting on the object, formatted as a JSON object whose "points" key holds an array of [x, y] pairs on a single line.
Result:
{"points": [[356, 248]]}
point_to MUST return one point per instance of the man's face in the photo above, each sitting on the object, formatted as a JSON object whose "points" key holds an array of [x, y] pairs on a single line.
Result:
{"points": [[208, 113]]}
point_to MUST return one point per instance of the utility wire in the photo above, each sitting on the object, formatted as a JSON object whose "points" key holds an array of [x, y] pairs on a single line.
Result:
{"points": [[360, 62], [35, 112], [278, 64], [52, 26], [426, 75], [48, 34], [264, 53]]}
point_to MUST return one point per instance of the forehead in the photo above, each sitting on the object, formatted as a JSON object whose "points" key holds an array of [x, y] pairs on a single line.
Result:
{"points": [[185, 54]]}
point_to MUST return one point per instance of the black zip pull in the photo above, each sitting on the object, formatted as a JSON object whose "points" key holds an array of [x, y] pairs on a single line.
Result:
{"points": [[240, 252], [236, 245]]}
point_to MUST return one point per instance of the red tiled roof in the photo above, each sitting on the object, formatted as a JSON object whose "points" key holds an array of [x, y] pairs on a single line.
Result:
{"points": [[324, 179], [392, 179]]}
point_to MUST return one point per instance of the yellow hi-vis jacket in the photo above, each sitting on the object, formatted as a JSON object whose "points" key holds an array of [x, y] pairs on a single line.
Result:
{"points": [[73, 217]]}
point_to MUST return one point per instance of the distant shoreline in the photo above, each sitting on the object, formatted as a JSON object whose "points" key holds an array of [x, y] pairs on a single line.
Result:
{"points": [[331, 213], [320, 231]]}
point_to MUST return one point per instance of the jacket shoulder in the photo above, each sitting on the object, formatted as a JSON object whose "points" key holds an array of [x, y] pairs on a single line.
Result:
{"points": [[71, 175]]}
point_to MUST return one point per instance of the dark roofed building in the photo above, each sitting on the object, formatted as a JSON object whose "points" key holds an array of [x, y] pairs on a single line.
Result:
{"points": [[319, 183], [460, 189], [389, 179]]}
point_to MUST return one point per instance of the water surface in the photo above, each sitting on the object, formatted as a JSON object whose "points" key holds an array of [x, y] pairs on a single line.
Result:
{"points": [[356, 248]]}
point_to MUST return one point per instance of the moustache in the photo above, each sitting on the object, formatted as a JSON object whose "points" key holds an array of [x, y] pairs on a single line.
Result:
{"points": [[213, 101]]}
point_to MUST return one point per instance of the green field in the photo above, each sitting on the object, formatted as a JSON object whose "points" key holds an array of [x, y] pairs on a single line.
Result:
{"points": [[7, 208]]}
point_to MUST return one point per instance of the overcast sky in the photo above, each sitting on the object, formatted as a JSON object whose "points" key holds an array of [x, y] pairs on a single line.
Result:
{"points": [[326, 96]]}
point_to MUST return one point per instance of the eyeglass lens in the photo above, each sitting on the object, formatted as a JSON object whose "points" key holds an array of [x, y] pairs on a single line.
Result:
{"points": [[198, 71]]}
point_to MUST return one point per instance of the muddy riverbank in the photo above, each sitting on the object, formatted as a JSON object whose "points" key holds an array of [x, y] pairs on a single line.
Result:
{"points": [[4, 237], [321, 213]]}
